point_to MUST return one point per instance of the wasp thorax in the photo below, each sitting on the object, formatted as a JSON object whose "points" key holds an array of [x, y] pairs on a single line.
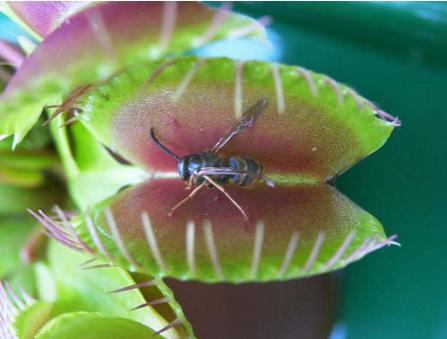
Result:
{"points": [[190, 165]]}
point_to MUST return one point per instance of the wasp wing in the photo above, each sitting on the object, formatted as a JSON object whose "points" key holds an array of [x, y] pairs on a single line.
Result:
{"points": [[230, 171], [219, 171], [248, 119]]}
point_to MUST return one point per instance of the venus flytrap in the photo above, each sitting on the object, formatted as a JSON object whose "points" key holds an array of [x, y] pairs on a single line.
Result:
{"points": [[146, 31], [68, 285], [101, 40], [84, 324], [105, 77], [30, 177], [313, 130], [14, 231], [112, 291], [40, 19]]}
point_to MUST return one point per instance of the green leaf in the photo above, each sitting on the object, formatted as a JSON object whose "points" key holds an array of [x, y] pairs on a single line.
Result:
{"points": [[29, 322], [80, 289], [13, 234], [15, 200], [88, 325], [92, 172], [29, 160], [99, 42]]}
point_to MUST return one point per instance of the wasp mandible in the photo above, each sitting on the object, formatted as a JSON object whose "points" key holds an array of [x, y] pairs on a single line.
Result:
{"points": [[210, 169]]}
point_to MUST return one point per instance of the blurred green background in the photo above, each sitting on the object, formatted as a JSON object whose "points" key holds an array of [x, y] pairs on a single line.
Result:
{"points": [[396, 55]]}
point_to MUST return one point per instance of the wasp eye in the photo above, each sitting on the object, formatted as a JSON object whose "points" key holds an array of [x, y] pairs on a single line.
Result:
{"points": [[182, 170]]}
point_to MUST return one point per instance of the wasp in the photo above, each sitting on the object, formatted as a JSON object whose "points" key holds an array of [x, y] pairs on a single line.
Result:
{"points": [[211, 169]]}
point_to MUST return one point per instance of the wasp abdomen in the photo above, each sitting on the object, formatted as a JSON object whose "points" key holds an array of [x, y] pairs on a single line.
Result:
{"points": [[252, 170]]}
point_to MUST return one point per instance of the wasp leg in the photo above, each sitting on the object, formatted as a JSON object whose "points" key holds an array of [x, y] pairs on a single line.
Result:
{"points": [[220, 188], [190, 184], [181, 202]]}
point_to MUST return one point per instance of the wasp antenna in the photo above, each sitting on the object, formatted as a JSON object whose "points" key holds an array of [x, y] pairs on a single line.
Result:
{"points": [[163, 147]]}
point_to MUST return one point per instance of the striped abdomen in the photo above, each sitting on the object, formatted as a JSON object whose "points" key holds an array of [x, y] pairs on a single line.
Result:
{"points": [[252, 169]]}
